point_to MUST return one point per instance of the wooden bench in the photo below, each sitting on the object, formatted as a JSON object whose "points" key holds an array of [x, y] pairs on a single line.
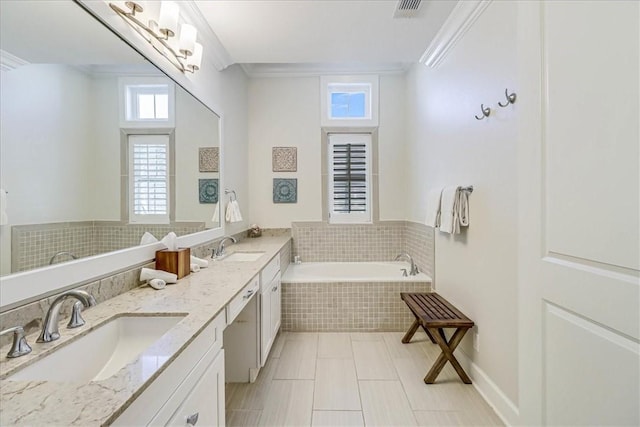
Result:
{"points": [[433, 313]]}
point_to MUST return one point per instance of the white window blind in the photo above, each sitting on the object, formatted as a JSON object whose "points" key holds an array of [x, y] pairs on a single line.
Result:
{"points": [[149, 178], [349, 178]]}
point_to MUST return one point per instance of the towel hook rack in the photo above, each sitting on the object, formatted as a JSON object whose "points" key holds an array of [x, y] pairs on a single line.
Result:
{"points": [[511, 98], [486, 111], [227, 191]]}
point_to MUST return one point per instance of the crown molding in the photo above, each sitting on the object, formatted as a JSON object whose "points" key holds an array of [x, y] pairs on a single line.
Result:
{"points": [[461, 19], [215, 52], [319, 69], [10, 62]]}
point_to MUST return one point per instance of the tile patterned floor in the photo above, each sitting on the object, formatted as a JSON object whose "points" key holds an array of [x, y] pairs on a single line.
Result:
{"points": [[354, 379]]}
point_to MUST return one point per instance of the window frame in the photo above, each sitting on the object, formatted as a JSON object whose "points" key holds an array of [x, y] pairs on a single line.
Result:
{"points": [[360, 137], [349, 84], [128, 103]]}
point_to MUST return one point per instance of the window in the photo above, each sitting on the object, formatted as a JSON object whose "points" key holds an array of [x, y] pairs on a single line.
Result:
{"points": [[349, 101], [147, 102], [149, 179], [349, 175]]}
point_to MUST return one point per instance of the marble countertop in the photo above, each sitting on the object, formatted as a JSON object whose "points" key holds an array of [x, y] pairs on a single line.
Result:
{"points": [[201, 296]]}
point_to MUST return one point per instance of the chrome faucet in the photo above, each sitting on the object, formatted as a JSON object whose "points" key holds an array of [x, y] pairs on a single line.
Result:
{"points": [[20, 347], [50, 324], [219, 251], [414, 267], [57, 254]]}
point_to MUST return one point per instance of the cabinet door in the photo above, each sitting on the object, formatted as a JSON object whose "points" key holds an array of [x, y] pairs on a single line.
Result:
{"points": [[265, 324], [275, 305], [204, 406]]}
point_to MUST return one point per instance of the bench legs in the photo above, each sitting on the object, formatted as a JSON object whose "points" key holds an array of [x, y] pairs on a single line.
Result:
{"points": [[447, 354], [414, 327]]}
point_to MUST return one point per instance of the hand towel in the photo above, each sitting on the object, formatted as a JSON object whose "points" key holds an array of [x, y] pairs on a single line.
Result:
{"points": [[448, 211], [433, 208], [202, 263], [4, 220], [233, 212], [194, 267], [462, 208], [216, 213], [236, 211], [147, 274]]}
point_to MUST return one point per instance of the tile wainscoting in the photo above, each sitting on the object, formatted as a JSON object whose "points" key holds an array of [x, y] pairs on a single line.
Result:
{"points": [[347, 306], [382, 241]]}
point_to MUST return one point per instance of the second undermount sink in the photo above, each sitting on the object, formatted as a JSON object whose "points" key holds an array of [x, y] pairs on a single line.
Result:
{"points": [[103, 351], [243, 256]]}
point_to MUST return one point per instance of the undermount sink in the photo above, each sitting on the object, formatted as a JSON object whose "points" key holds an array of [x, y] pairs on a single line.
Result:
{"points": [[102, 352], [243, 256]]}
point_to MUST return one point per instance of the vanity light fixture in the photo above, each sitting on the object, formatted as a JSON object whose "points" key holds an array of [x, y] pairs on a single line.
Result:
{"points": [[161, 31]]}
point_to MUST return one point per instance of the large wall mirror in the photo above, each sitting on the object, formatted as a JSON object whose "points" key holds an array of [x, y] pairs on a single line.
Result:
{"points": [[83, 175]]}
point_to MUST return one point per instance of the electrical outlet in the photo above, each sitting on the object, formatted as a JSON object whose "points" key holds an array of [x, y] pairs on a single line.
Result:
{"points": [[476, 342]]}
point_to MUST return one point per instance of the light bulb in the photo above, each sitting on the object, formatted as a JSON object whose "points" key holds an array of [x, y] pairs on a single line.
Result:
{"points": [[188, 35], [168, 21], [195, 60]]}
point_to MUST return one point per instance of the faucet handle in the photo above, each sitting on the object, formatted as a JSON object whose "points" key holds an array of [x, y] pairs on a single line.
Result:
{"points": [[20, 347], [76, 319]]}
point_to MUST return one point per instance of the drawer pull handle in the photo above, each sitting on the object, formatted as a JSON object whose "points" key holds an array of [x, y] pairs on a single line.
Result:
{"points": [[193, 419], [249, 293]]}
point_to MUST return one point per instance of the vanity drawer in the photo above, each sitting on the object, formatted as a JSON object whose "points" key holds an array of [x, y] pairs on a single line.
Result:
{"points": [[270, 270], [237, 304]]}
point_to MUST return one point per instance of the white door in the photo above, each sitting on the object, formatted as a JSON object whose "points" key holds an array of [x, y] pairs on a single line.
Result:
{"points": [[579, 186]]}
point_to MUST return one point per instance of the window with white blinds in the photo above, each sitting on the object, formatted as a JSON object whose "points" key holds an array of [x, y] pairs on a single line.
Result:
{"points": [[149, 179], [349, 161]]}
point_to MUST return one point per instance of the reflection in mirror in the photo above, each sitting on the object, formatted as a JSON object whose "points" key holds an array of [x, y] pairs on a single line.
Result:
{"points": [[83, 176]]}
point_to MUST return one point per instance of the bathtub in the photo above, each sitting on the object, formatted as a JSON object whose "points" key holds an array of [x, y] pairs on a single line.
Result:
{"points": [[348, 296], [326, 272]]}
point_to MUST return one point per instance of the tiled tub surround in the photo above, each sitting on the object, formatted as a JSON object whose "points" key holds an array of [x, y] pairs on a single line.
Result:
{"points": [[201, 296], [32, 246], [348, 297], [30, 315], [382, 241]]}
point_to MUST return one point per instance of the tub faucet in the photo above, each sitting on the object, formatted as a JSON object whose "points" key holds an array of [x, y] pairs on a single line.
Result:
{"points": [[219, 251], [414, 267], [57, 254], [50, 324]]}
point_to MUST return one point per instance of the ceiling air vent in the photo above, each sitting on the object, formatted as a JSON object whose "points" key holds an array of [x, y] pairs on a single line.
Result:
{"points": [[407, 8]]}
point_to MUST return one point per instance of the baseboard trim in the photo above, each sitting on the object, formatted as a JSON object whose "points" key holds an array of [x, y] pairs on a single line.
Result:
{"points": [[504, 407]]}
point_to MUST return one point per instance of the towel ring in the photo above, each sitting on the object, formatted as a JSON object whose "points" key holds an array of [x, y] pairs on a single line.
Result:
{"points": [[511, 98], [232, 198], [486, 111]]}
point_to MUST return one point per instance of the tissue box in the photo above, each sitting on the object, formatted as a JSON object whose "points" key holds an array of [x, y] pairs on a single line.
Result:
{"points": [[176, 262]]}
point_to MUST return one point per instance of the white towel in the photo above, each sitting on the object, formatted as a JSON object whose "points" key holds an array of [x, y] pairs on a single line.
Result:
{"points": [[233, 212], [147, 238], [448, 209], [455, 210], [433, 208], [463, 208], [4, 220], [216, 213], [202, 263]]}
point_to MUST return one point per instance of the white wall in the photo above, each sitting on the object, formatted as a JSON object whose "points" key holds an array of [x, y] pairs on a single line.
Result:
{"points": [[285, 112], [476, 270], [46, 124]]}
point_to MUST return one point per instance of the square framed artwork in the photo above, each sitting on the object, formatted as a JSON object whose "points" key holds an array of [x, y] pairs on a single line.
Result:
{"points": [[284, 159], [285, 190], [208, 190], [209, 159]]}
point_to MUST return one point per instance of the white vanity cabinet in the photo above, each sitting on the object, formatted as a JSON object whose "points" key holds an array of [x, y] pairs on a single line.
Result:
{"points": [[191, 388], [270, 306]]}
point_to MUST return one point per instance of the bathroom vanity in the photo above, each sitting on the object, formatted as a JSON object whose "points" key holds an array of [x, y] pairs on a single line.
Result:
{"points": [[177, 378]]}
